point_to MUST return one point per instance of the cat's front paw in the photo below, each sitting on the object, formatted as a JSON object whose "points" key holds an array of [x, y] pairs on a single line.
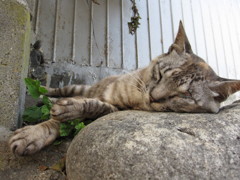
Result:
{"points": [[67, 109], [31, 139]]}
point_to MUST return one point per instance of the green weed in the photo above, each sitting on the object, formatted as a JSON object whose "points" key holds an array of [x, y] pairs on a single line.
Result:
{"points": [[36, 114]]}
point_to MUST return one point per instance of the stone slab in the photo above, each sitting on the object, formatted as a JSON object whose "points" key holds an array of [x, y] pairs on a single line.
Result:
{"points": [[14, 60]]}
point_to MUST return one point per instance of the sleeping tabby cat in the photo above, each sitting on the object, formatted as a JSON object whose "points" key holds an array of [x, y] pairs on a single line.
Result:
{"points": [[176, 81]]}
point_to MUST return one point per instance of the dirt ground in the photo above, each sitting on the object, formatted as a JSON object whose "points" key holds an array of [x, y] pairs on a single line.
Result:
{"points": [[35, 167]]}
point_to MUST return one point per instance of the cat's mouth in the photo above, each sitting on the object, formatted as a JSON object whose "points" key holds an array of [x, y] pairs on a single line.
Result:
{"points": [[186, 95]]}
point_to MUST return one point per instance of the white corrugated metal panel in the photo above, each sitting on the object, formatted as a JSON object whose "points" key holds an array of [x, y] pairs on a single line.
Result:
{"points": [[83, 33]]}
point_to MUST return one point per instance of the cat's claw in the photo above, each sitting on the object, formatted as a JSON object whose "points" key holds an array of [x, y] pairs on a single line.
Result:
{"points": [[31, 139]]}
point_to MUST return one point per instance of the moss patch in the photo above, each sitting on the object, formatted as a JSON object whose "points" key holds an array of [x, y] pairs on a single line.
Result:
{"points": [[20, 13]]}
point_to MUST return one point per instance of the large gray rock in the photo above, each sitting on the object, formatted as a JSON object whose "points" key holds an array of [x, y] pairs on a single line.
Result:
{"points": [[145, 145]]}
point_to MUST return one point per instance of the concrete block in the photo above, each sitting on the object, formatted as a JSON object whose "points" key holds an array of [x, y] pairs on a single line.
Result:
{"points": [[14, 60]]}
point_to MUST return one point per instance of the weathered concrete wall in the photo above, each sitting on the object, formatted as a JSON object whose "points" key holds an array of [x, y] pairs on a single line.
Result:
{"points": [[14, 59]]}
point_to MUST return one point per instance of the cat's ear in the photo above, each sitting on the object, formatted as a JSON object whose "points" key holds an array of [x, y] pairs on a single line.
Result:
{"points": [[181, 43], [224, 88]]}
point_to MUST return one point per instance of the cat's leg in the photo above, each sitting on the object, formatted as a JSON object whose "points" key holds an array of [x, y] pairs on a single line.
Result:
{"points": [[75, 107], [68, 91], [31, 139]]}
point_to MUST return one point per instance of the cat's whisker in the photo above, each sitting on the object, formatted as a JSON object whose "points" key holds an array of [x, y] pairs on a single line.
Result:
{"points": [[139, 89], [139, 81]]}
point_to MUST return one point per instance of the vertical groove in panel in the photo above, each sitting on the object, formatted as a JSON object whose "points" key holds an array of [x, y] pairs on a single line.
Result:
{"points": [[122, 38], [136, 47], [160, 17], [214, 39], [236, 18], [220, 54], [237, 32], [182, 11], [149, 32], [227, 40], [204, 33], [36, 16], [188, 23], [231, 44], [114, 34], [166, 24], [236, 27], [91, 33], [74, 31], [99, 34], [222, 39], [107, 34], [55, 33], [171, 12], [176, 15], [194, 31], [129, 39], [64, 31], [210, 37], [155, 31]]}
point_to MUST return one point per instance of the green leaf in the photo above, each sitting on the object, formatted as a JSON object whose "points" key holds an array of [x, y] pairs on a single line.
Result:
{"points": [[33, 86], [45, 109], [32, 114], [47, 102], [32, 82], [45, 112], [71, 128], [74, 122], [65, 129], [42, 90], [79, 127]]}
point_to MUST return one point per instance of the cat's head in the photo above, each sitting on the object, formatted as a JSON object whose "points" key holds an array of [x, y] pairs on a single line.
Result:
{"points": [[185, 82]]}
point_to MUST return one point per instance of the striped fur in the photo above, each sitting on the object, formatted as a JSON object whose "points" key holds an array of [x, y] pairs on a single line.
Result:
{"points": [[68, 91], [176, 81]]}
